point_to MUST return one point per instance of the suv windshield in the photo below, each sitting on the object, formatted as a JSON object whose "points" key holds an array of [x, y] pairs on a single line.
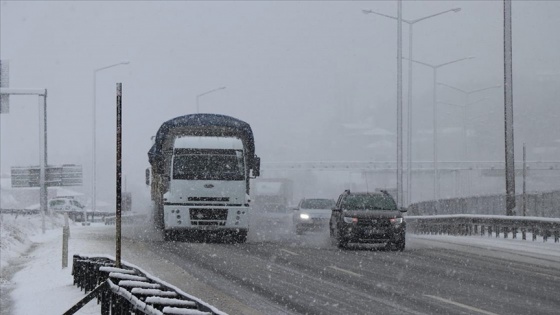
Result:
{"points": [[317, 204], [368, 202]]}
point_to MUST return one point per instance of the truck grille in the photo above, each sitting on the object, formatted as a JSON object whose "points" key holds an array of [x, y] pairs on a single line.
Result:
{"points": [[208, 216]]}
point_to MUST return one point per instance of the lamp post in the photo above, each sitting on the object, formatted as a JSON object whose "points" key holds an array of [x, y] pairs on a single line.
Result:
{"points": [[94, 139], [409, 101], [207, 92], [434, 69], [467, 94]]}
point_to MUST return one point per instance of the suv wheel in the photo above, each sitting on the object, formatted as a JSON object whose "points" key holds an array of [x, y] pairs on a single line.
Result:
{"points": [[400, 245], [396, 246], [336, 240]]}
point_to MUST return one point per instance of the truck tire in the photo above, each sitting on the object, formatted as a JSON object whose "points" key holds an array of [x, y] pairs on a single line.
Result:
{"points": [[167, 235], [158, 218], [240, 237]]}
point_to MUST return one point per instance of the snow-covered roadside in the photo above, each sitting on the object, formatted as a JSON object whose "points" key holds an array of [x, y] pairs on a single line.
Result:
{"points": [[31, 262]]}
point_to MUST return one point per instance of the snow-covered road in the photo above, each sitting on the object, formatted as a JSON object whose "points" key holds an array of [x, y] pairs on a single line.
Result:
{"points": [[285, 273]]}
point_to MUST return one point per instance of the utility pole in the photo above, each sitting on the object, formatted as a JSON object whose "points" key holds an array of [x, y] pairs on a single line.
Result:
{"points": [[508, 111], [524, 180], [399, 108]]}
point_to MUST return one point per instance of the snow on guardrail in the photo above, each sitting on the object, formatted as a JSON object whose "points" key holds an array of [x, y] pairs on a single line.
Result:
{"points": [[467, 224]]}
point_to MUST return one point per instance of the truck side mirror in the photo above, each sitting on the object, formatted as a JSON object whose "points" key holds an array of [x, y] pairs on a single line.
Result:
{"points": [[148, 176], [257, 167]]}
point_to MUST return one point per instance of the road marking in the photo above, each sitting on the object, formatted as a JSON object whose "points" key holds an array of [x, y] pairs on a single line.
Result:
{"points": [[346, 271], [289, 252], [460, 305]]}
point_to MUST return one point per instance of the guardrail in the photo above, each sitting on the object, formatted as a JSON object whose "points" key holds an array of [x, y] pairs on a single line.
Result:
{"points": [[76, 216], [20, 211], [130, 290], [129, 218], [462, 224]]}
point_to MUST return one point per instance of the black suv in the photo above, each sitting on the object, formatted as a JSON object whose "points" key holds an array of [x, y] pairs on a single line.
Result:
{"points": [[367, 218]]}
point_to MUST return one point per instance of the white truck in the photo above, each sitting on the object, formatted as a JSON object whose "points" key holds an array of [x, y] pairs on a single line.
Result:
{"points": [[200, 170]]}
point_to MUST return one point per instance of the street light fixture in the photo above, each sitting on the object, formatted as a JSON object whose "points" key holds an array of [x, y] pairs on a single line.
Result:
{"points": [[435, 68], [94, 139], [409, 102], [465, 141], [207, 92], [467, 94], [464, 114]]}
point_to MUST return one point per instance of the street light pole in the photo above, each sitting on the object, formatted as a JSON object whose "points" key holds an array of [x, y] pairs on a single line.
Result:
{"points": [[467, 94], [436, 175], [94, 136], [399, 108], [207, 92], [409, 101]]}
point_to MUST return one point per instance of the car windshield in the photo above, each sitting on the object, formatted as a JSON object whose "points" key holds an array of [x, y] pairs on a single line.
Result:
{"points": [[368, 202], [55, 203], [317, 204]]}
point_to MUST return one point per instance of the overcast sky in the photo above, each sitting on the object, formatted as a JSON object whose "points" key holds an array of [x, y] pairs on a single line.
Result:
{"points": [[291, 69]]}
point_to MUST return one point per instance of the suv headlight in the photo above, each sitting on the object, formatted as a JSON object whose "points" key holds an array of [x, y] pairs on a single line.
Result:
{"points": [[304, 216], [350, 220], [396, 221]]}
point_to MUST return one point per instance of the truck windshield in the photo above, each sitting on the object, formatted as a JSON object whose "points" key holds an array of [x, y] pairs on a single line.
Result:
{"points": [[206, 164]]}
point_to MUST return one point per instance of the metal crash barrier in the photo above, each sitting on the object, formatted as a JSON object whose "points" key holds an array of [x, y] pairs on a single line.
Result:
{"points": [[485, 225], [129, 290], [131, 218]]}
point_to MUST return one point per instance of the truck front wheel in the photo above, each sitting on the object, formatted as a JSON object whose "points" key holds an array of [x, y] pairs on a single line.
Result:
{"points": [[240, 237]]}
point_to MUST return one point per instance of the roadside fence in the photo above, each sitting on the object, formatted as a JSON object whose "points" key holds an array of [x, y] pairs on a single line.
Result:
{"points": [[490, 225], [129, 218], [129, 290]]}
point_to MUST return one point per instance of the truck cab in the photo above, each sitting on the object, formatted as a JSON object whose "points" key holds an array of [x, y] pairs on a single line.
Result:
{"points": [[207, 184]]}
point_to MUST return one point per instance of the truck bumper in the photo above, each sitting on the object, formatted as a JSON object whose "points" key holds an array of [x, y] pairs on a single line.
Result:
{"points": [[205, 218]]}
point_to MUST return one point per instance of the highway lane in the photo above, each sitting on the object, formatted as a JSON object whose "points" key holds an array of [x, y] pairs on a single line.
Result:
{"points": [[281, 273]]}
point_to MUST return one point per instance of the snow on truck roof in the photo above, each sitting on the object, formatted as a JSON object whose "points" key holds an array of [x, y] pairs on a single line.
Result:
{"points": [[208, 143], [200, 125]]}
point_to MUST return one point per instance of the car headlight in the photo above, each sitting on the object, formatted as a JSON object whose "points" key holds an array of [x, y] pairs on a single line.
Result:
{"points": [[350, 220], [304, 216]]}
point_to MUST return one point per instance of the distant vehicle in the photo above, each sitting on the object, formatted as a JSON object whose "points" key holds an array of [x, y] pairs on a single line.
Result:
{"points": [[65, 204], [271, 200], [312, 214], [367, 218]]}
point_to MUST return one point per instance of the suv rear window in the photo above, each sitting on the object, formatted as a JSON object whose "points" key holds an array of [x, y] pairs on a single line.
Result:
{"points": [[368, 202], [317, 204]]}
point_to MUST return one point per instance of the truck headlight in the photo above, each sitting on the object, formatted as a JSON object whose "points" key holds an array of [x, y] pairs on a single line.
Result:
{"points": [[304, 216]]}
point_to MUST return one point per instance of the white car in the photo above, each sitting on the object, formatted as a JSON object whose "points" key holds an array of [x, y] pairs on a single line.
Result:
{"points": [[312, 214], [65, 204]]}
